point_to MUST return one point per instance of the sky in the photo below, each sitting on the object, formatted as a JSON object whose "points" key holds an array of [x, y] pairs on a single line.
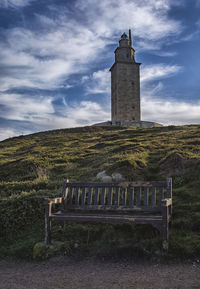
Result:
{"points": [[55, 57]]}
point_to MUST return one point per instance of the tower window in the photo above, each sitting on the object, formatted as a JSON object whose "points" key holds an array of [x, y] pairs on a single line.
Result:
{"points": [[127, 55]]}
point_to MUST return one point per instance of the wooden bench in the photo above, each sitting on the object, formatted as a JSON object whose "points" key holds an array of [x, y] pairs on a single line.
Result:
{"points": [[127, 202]]}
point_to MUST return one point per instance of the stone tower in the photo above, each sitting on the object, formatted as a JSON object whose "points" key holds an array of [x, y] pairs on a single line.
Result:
{"points": [[125, 84]]}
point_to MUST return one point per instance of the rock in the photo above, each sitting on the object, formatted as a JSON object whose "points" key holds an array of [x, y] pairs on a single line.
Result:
{"points": [[106, 179], [42, 251], [103, 177], [100, 175], [117, 177]]}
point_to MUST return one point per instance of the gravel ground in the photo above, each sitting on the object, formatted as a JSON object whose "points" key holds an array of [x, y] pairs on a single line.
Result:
{"points": [[65, 272]]}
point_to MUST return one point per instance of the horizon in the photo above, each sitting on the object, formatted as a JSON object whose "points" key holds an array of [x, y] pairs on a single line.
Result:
{"points": [[55, 59]]}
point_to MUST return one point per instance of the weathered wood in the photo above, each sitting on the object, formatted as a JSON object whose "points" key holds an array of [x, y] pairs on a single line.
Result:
{"points": [[169, 187], [138, 196], [103, 196], [165, 221], [114, 208], [131, 197], [48, 208], [96, 196], [70, 195], [110, 196], [148, 184], [81, 200], [116, 196], [119, 184], [161, 195], [85, 217], [65, 192], [169, 192], [83, 197], [124, 197], [77, 195], [153, 197], [146, 196], [53, 201], [89, 199]]}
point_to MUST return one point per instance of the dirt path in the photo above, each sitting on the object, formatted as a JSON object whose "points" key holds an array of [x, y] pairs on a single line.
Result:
{"points": [[66, 273]]}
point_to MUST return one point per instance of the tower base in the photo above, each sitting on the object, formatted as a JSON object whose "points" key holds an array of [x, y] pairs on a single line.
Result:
{"points": [[127, 123]]}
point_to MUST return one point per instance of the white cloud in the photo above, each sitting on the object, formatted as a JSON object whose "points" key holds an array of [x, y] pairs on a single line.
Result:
{"points": [[157, 106], [14, 3], [198, 3], [87, 112], [7, 133], [65, 45], [170, 111], [148, 18], [45, 61], [40, 114], [98, 82], [164, 53], [24, 108], [158, 71]]}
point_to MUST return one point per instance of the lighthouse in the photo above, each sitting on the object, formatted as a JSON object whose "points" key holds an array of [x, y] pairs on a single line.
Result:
{"points": [[125, 84], [125, 88]]}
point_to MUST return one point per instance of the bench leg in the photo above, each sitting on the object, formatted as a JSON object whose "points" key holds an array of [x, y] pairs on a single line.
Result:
{"points": [[165, 228], [47, 224]]}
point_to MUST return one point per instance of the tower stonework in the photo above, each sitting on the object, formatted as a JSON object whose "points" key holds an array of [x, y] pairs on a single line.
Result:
{"points": [[125, 84]]}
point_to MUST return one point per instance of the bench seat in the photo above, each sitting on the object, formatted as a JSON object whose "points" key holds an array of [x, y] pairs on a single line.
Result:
{"points": [[106, 218]]}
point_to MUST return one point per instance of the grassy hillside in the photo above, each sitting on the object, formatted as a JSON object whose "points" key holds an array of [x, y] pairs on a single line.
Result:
{"points": [[33, 167]]}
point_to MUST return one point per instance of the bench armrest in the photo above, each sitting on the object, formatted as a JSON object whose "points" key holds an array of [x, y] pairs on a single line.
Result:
{"points": [[166, 202], [53, 201]]}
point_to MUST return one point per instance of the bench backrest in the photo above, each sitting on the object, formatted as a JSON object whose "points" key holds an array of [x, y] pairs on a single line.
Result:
{"points": [[145, 196]]}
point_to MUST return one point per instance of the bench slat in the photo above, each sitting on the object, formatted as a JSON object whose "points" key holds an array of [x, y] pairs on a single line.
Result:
{"points": [[124, 197], [114, 207], [110, 196], [83, 197], [161, 195], [89, 196], [140, 219], [153, 197], [65, 194], [64, 189], [132, 184], [70, 195], [169, 188], [77, 194], [117, 196], [96, 196], [131, 197], [103, 196], [138, 196], [146, 196]]}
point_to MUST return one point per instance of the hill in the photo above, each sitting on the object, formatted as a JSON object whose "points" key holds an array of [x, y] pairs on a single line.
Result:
{"points": [[33, 167]]}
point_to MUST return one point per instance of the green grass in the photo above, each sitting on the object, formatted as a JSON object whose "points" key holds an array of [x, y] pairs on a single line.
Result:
{"points": [[33, 167]]}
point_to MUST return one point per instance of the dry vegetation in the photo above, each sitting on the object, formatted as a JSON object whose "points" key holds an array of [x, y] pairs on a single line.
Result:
{"points": [[32, 167]]}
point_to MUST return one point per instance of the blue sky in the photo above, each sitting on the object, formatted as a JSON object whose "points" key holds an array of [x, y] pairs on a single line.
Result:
{"points": [[55, 57]]}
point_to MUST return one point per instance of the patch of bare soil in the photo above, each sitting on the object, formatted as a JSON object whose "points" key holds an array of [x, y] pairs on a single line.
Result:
{"points": [[176, 164], [65, 272]]}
